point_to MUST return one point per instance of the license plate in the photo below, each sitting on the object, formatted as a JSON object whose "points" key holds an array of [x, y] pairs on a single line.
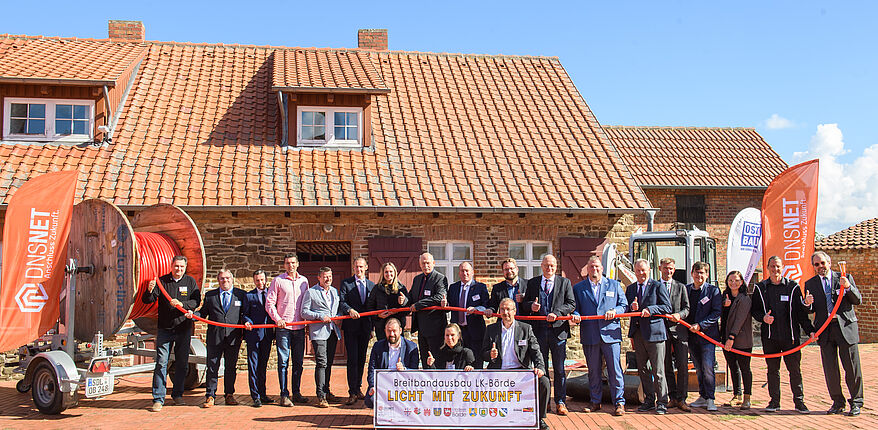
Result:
{"points": [[98, 386]]}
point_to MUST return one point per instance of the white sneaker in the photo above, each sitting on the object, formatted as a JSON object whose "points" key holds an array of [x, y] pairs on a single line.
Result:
{"points": [[700, 403], [710, 405]]}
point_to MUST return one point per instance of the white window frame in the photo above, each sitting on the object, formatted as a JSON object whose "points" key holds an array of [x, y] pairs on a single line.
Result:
{"points": [[450, 265], [531, 263], [329, 123], [49, 135]]}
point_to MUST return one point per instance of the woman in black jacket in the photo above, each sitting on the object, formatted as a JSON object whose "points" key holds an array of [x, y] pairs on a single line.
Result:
{"points": [[736, 327], [452, 355], [389, 293]]}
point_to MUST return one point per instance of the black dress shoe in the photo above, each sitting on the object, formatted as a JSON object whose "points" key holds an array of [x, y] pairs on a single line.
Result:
{"points": [[543, 425], [646, 407], [298, 398], [855, 410], [267, 400], [835, 409], [257, 403]]}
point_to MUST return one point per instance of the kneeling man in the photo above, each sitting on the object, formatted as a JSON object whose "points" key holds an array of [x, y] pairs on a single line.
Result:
{"points": [[392, 352]]}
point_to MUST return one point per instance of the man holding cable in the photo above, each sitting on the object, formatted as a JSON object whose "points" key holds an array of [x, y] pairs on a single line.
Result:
{"points": [[174, 330], [284, 305]]}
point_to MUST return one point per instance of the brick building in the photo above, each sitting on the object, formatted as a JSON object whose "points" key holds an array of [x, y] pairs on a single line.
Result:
{"points": [[858, 245], [698, 176], [329, 153]]}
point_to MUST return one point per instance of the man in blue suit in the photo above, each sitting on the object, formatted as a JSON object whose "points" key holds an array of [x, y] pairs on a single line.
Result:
{"points": [[648, 335], [393, 352], [472, 295], [597, 295], [705, 308], [357, 331], [258, 339]]}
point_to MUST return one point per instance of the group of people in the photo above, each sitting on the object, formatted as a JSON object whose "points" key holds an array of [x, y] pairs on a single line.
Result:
{"points": [[461, 340]]}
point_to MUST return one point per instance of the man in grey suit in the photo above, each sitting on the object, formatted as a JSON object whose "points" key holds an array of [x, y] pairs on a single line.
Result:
{"points": [[839, 340], [510, 344], [677, 345], [321, 303]]}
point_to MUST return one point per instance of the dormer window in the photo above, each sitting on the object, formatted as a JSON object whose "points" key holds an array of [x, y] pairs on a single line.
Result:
{"points": [[48, 120], [329, 126]]}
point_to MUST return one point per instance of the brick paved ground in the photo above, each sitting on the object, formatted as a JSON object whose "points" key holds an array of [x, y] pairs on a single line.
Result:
{"points": [[126, 408]]}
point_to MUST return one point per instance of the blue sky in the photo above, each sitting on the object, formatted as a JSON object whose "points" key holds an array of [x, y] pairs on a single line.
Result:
{"points": [[803, 73]]}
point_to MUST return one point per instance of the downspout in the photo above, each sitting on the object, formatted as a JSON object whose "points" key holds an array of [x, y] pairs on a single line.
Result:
{"points": [[650, 218], [282, 105]]}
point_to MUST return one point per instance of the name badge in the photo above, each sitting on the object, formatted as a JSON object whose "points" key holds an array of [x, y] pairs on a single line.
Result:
{"points": [[476, 297], [522, 342], [237, 303], [426, 292], [704, 300], [611, 294], [784, 298], [184, 290]]}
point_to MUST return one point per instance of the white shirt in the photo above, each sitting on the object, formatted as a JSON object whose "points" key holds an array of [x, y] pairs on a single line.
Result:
{"points": [[393, 354], [509, 359]]}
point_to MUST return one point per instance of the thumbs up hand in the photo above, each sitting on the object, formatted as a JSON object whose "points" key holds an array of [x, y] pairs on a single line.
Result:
{"points": [[399, 365], [809, 299], [727, 302], [401, 298], [494, 352], [535, 306], [444, 302], [634, 305], [430, 359], [768, 319]]}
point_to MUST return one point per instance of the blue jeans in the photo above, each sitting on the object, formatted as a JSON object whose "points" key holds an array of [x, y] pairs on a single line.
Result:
{"points": [[290, 345], [704, 358], [165, 340]]}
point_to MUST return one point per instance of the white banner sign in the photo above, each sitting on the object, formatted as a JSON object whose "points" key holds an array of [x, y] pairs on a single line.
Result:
{"points": [[442, 399], [744, 244]]}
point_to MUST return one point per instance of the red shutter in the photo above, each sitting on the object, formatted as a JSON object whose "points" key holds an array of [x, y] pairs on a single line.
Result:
{"points": [[403, 252], [575, 253]]}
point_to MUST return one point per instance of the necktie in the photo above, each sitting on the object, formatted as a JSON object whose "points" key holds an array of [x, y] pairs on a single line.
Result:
{"points": [[262, 297], [423, 284], [461, 316], [828, 291], [226, 301], [362, 291], [640, 293]]}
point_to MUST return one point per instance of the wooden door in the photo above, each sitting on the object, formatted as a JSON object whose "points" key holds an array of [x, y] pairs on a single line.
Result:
{"points": [[575, 253]]}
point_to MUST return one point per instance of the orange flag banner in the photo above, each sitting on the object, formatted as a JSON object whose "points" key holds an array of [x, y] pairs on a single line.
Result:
{"points": [[789, 215], [34, 253]]}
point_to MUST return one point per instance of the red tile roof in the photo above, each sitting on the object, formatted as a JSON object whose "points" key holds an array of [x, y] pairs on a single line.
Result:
{"points": [[319, 70], [697, 157], [471, 132], [861, 236], [73, 61]]}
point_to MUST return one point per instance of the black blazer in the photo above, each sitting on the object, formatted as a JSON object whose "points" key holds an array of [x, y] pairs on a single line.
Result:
{"points": [[429, 323], [476, 296], [379, 358], [563, 302], [679, 296], [212, 309], [460, 355], [846, 315], [656, 299], [528, 351], [500, 291], [349, 298], [254, 313]]}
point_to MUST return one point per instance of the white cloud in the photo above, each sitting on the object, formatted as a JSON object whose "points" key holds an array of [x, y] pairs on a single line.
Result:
{"points": [[777, 122], [847, 192]]}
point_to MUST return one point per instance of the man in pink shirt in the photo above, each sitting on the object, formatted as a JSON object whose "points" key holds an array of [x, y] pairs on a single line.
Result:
{"points": [[284, 305]]}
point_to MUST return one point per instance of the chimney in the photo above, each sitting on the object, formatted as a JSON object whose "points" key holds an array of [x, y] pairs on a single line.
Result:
{"points": [[374, 39], [126, 31]]}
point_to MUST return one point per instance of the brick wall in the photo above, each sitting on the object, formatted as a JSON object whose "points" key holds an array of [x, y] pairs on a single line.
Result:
{"points": [[127, 31], [863, 265], [373, 38], [721, 206]]}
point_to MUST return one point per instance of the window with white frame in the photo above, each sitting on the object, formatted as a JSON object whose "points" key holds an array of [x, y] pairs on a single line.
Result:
{"points": [[449, 255], [332, 126], [48, 119], [529, 255]]}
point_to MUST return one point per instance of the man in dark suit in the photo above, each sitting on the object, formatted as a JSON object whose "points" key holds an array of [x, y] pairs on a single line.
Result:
{"points": [[357, 331], [472, 295], [428, 289], [551, 296], [512, 286], [648, 334], [258, 339], [174, 330], [601, 339], [224, 304], [516, 350], [839, 340], [677, 345], [705, 309], [392, 352]]}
